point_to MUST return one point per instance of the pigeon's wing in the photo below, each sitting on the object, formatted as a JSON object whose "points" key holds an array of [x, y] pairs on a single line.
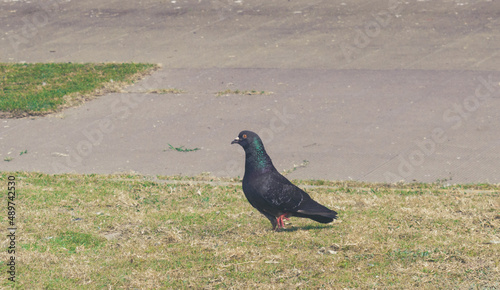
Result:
{"points": [[285, 197], [281, 193]]}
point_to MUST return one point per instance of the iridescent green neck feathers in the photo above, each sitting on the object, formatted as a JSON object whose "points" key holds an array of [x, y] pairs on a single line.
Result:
{"points": [[256, 156]]}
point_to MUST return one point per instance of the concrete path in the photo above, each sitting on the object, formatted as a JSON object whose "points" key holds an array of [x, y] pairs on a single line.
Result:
{"points": [[380, 91]]}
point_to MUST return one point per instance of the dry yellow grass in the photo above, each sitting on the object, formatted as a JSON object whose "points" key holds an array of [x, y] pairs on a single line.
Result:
{"points": [[100, 231]]}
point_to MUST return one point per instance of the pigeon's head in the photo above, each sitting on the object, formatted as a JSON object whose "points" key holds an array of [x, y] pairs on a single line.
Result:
{"points": [[246, 139]]}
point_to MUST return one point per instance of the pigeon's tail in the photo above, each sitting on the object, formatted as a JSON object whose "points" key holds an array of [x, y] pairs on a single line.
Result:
{"points": [[323, 218], [316, 211]]}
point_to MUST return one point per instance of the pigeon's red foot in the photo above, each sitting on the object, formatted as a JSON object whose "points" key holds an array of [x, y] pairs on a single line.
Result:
{"points": [[281, 223]]}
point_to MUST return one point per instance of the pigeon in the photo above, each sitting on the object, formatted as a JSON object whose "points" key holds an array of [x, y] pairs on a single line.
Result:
{"points": [[271, 193]]}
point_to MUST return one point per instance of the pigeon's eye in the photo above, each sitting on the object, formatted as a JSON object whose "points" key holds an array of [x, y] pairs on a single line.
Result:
{"points": [[244, 136]]}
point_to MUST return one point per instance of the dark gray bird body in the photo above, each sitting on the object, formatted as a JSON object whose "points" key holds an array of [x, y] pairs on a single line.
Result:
{"points": [[270, 192]]}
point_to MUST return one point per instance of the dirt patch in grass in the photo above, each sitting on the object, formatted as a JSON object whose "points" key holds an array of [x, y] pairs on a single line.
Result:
{"points": [[125, 231]]}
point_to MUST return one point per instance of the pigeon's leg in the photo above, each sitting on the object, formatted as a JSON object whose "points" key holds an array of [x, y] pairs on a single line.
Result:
{"points": [[280, 222], [271, 218]]}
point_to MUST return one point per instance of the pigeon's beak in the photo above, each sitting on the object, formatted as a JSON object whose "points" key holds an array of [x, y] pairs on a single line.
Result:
{"points": [[236, 140]]}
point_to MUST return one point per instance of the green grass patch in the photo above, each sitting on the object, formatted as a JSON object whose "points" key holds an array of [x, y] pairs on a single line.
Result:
{"points": [[181, 148], [167, 91], [70, 241], [41, 88], [241, 92], [132, 231]]}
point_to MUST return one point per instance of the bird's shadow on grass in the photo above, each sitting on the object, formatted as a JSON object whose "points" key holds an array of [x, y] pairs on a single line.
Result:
{"points": [[305, 228]]}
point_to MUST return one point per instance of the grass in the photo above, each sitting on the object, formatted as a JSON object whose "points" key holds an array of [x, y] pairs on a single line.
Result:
{"points": [[239, 92], [131, 231], [295, 167], [181, 148], [166, 91], [42, 88]]}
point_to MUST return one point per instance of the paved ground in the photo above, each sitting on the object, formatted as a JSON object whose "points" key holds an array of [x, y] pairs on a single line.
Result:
{"points": [[376, 91]]}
